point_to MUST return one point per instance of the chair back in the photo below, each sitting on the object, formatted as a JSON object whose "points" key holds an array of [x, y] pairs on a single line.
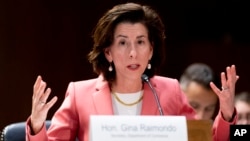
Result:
{"points": [[16, 131]]}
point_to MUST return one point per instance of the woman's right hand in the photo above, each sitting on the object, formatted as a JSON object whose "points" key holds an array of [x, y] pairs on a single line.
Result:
{"points": [[40, 106]]}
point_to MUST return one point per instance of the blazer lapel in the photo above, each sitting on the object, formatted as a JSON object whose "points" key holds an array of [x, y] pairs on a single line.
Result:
{"points": [[103, 101], [149, 105], [102, 98]]}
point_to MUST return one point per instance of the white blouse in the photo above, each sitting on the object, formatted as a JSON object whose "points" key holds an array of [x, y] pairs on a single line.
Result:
{"points": [[122, 109]]}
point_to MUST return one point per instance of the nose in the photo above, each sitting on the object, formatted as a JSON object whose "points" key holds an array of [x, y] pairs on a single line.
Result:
{"points": [[201, 115], [132, 51]]}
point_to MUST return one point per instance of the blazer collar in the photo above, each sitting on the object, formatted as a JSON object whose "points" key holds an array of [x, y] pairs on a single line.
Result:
{"points": [[102, 97], [149, 105], [103, 101]]}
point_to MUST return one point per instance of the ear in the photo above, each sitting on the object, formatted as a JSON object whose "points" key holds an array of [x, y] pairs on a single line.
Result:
{"points": [[108, 54]]}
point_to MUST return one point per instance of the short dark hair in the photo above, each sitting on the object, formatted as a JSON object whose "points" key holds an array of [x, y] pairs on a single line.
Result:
{"points": [[200, 73], [104, 32]]}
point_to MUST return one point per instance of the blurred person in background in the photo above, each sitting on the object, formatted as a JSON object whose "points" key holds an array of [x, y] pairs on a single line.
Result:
{"points": [[242, 105], [195, 82]]}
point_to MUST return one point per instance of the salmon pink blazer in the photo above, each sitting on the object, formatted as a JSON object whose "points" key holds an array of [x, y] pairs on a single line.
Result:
{"points": [[93, 97]]}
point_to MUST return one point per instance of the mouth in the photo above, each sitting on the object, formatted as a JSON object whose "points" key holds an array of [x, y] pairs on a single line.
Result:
{"points": [[133, 66]]}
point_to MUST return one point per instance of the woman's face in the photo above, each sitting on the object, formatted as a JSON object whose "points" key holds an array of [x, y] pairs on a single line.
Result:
{"points": [[130, 50]]}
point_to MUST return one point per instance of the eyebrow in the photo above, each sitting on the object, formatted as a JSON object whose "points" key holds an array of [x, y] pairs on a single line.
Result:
{"points": [[210, 106], [141, 36]]}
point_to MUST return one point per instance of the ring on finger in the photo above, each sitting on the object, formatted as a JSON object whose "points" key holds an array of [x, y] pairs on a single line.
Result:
{"points": [[224, 88], [42, 102]]}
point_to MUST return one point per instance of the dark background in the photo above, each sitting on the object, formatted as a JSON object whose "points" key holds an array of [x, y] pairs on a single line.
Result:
{"points": [[52, 38]]}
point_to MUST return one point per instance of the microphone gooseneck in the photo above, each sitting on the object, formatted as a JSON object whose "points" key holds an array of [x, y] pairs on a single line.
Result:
{"points": [[144, 77]]}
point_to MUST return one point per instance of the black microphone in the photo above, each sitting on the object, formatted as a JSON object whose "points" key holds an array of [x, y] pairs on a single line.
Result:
{"points": [[144, 77]]}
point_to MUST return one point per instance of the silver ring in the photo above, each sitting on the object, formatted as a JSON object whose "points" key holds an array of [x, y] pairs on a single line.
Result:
{"points": [[224, 88], [41, 102]]}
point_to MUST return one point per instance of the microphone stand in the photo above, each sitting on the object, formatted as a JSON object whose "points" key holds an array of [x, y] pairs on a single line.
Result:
{"points": [[145, 79]]}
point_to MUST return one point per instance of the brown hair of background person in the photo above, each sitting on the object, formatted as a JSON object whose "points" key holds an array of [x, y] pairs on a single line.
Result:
{"points": [[195, 82], [242, 105]]}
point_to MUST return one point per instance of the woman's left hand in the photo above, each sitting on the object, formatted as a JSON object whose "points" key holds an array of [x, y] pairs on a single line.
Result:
{"points": [[227, 92]]}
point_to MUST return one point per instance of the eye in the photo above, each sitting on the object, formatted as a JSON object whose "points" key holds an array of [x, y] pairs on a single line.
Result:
{"points": [[194, 105], [140, 42], [122, 42], [210, 108]]}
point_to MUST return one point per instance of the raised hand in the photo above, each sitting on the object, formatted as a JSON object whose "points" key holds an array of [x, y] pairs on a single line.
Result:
{"points": [[227, 92], [40, 106]]}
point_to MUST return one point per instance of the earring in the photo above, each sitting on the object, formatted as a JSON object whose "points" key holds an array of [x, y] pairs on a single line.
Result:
{"points": [[149, 66], [110, 68]]}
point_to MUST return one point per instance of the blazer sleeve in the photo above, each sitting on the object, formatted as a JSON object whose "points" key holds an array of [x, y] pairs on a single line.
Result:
{"points": [[221, 128], [41, 136], [64, 124]]}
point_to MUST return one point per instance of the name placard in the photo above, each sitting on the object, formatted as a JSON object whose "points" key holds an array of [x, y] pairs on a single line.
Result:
{"points": [[138, 128]]}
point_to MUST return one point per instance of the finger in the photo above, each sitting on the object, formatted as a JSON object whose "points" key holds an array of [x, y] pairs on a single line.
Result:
{"points": [[233, 70], [233, 73], [237, 77], [38, 80], [223, 80], [39, 92], [37, 84], [214, 88], [229, 74], [51, 102], [232, 77], [45, 96]]}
